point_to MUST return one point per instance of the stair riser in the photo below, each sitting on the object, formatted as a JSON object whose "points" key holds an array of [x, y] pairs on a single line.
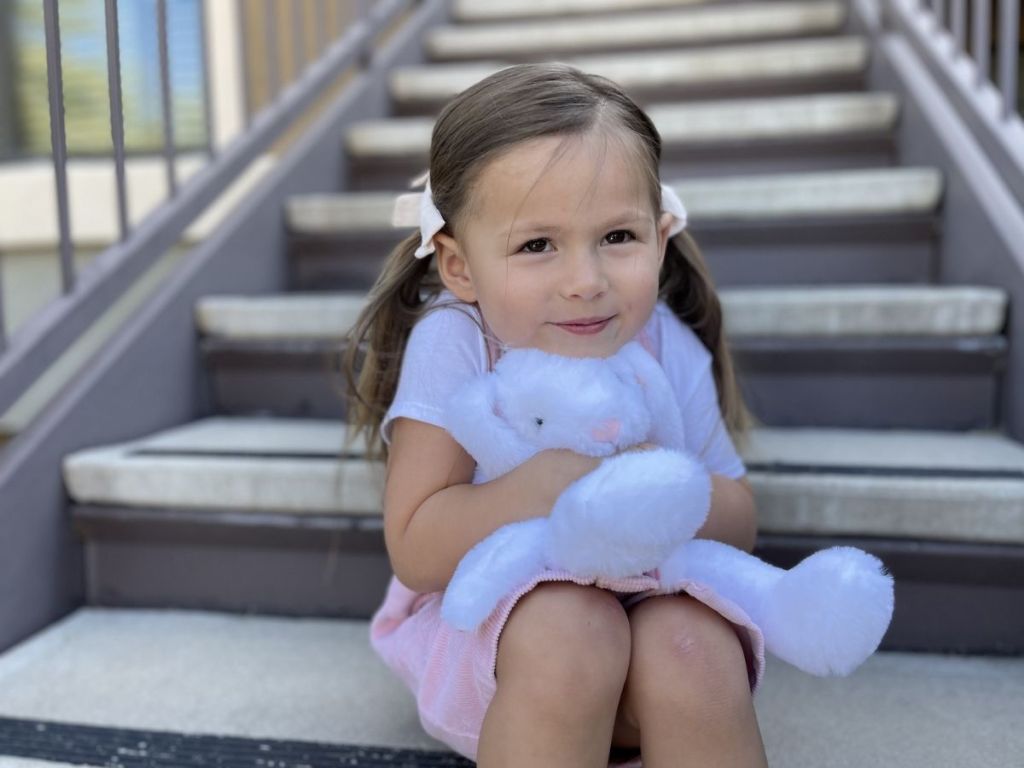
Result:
{"points": [[705, 161], [243, 568], [833, 83], [738, 253], [949, 597], [784, 386]]}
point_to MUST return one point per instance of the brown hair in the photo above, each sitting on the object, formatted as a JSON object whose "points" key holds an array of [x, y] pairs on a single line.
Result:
{"points": [[522, 102]]}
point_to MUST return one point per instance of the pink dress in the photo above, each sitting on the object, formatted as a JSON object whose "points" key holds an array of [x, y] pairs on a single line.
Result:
{"points": [[451, 673]]}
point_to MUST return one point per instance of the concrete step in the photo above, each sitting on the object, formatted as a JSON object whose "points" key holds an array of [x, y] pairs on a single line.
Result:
{"points": [[916, 357], [793, 66], [479, 10], [547, 38], [204, 688], [714, 138], [189, 503], [829, 311], [853, 226]]}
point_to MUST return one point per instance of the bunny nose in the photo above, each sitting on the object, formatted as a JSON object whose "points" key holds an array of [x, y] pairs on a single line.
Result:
{"points": [[607, 431]]}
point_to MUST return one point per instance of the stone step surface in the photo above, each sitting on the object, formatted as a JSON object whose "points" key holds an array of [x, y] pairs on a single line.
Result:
{"points": [[713, 23], [739, 120], [858, 192], [267, 679], [806, 311], [482, 10], [903, 484], [749, 63]]}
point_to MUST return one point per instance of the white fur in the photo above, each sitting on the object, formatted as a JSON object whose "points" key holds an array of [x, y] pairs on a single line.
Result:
{"points": [[638, 511]]}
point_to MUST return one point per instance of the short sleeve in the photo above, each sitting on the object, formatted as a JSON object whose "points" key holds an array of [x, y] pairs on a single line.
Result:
{"points": [[687, 363], [445, 347]]}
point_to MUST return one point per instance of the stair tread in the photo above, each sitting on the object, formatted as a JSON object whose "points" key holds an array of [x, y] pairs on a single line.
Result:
{"points": [[674, 26], [789, 117], [468, 10], [817, 311], [801, 58], [962, 486], [856, 192], [318, 680]]}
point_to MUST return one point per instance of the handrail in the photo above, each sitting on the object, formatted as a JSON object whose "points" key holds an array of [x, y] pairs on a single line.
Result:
{"points": [[85, 296], [937, 30]]}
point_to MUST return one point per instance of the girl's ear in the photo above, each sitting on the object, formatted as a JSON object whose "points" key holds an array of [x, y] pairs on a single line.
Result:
{"points": [[664, 225], [453, 267]]}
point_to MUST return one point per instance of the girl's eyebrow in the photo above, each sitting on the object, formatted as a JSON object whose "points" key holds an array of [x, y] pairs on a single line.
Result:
{"points": [[625, 218]]}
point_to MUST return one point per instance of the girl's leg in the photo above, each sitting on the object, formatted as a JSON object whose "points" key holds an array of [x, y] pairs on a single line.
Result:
{"points": [[687, 700], [562, 661]]}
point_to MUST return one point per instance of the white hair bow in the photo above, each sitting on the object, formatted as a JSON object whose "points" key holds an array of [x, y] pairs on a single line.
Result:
{"points": [[418, 209]]}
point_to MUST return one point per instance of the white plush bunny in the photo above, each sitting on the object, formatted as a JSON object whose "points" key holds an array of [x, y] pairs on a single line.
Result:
{"points": [[640, 511]]}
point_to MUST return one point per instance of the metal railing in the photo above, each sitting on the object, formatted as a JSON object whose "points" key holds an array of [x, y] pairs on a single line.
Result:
{"points": [[951, 17], [955, 39], [85, 295]]}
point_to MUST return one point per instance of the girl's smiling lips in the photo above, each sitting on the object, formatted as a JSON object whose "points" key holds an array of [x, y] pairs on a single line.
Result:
{"points": [[586, 325]]}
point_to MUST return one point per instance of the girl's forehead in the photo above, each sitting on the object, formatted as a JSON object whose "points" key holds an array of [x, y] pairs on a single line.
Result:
{"points": [[559, 176]]}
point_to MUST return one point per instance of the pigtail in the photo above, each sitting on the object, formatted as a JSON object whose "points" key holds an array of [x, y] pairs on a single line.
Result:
{"points": [[686, 286], [371, 359]]}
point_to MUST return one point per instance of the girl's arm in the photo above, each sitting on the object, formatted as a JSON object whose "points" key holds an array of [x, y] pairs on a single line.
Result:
{"points": [[433, 514], [732, 517]]}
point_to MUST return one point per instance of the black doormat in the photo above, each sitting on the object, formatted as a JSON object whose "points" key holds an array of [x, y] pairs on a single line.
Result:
{"points": [[129, 748]]}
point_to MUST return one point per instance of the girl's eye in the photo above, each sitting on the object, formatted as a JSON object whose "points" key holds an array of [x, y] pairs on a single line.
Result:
{"points": [[535, 246], [620, 236]]}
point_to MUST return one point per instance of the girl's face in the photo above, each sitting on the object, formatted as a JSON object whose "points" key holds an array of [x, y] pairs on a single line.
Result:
{"points": [[561, 251]]}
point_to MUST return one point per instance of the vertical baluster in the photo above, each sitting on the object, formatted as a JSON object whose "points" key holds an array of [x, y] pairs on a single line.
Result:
{"points": [[321, 26], [1009, 26], [204, 50], [273, 55], [58, 140], [243, 55], [116, 112], [939, 9], [958, 22], [982, 28], [165, 95], [298, 38]]}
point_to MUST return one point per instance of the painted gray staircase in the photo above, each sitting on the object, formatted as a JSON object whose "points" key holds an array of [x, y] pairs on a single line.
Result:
{"points": [[846, 345], [877, 386]]}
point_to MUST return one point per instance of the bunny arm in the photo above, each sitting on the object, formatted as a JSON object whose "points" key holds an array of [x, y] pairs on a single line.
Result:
{"points": [[825, 615], [470, 418], [666, 417]]}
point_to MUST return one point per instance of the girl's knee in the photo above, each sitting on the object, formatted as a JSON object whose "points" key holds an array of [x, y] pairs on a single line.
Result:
{"points": [[563, 637], [687, 652]]}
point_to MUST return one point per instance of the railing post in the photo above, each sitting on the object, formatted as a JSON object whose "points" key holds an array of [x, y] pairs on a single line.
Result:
{"points": [[116, 116], [58, 140], [982, 26], [1009, 53], [165, 95]]}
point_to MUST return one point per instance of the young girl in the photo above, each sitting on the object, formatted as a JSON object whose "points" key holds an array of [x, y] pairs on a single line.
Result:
{"points": [[545, 225]]}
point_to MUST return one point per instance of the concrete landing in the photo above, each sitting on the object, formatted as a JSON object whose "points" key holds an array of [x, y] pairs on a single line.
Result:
{"points": [[313, 679]]}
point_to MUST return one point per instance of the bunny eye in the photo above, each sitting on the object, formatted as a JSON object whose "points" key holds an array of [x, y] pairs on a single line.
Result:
{"points": [[539, 420]]}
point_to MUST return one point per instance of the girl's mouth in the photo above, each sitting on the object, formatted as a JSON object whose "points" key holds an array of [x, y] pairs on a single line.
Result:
{"points": [[586, 326]]}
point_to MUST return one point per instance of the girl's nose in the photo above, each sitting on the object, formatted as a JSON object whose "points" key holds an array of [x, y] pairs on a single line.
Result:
{"points": [[585, 277]]}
